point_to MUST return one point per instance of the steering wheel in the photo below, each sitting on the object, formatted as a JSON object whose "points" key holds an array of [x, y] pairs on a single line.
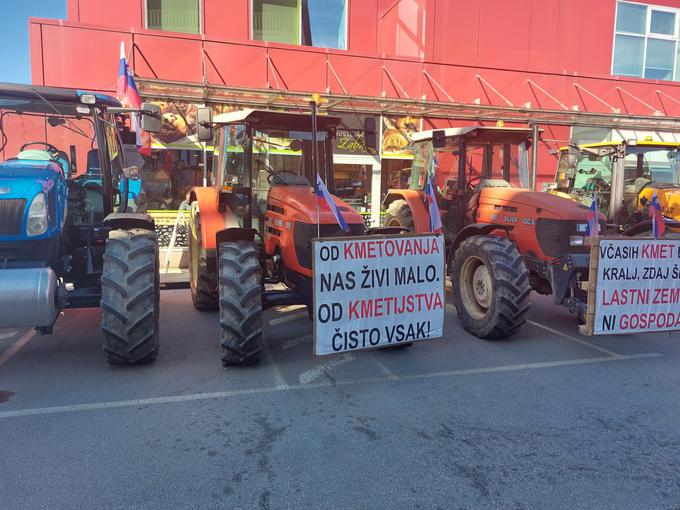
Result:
{"points": [[273, 174], [472, 183], [54, 152]]}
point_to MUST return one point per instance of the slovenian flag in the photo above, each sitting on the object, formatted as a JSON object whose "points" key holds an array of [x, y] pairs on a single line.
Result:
{"points": [[658, 226], [593, 226], [435, 218], [323, 196], [128, 95]]}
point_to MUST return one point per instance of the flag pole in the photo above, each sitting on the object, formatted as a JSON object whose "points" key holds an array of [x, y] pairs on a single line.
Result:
{"points": [[312, 103]]}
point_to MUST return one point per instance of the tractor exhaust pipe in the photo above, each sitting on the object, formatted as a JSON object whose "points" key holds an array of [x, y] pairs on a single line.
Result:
{"points": [[28, 297]]}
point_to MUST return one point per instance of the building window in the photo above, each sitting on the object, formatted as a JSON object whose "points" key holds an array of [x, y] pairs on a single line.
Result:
{"points": [[320, 23], [646, 42], [174, 15]]}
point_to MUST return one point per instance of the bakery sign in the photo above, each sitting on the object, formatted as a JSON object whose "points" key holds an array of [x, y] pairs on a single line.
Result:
{"points": [[178, 126], [349, 136]]}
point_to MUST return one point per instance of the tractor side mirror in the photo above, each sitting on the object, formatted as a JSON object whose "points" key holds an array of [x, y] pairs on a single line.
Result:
{"points": [[204, 124], [370, 133], [151, 117], [438, 138]]}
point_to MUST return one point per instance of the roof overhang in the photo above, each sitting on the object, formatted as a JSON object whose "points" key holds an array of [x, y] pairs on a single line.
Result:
{"points": [[285, 121]]}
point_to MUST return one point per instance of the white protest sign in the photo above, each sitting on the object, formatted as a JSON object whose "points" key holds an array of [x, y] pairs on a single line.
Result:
{"points": [[375, 291], [638, 285]]}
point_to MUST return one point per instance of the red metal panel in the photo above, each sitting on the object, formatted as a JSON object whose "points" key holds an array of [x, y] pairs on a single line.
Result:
{"points": [[168, 57], [402, 75], [301, 69], [401, 29], [362, 27], [81, 57], [597, 40], [505, 26], [456, 45], [120, 14], [73, 10], [236, 65], [360, 76], [226, 22], [21, 129], [544, 36], [36, 51]]}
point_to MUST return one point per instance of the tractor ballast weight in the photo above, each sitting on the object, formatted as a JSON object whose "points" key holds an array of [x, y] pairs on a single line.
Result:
{"points": [[502, 241], [251, 232], [66, 240]]}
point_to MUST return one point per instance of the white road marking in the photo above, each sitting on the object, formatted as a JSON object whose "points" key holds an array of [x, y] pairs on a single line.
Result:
{"points": [[574, 339], [279, 380], [9, 334], [271, 389], [290, 308], [294, 342], [383, 368], [16, 346], [287, 318], [316, 372]]}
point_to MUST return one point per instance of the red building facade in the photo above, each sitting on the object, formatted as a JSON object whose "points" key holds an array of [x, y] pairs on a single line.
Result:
{"points": [[431, 62]]}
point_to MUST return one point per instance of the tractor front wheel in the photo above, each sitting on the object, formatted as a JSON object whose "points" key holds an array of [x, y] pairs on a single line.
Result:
{"points": [[491, 286], [203, 283], [240, 289], [130, 299], [399, 214]]}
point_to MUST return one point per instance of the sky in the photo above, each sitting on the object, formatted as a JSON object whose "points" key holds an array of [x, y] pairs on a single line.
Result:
{"points": [[14, 52]]}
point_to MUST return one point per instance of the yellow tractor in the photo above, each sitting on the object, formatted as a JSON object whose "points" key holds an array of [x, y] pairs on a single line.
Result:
{"points": [[623, 175]]}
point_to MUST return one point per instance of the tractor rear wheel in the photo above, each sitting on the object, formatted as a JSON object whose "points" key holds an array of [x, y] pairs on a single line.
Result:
{"points": [[203, 283], [491, 286], [130, 301], [240, 288], [399, 214]]}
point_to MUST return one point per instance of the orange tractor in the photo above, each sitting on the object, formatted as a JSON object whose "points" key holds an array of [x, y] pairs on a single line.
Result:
{"points": [[251, 233], [503, 241]]}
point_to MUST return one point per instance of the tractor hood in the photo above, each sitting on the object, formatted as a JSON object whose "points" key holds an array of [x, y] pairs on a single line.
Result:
{"points": [[549, 204], [669, 198], [303, 202], [25, 178]]}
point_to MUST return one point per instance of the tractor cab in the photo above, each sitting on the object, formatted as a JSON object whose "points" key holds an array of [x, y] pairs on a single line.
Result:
{"points": [[622, 176]]}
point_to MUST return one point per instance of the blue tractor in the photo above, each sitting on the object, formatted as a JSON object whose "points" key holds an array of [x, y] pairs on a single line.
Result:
{"points": [[67, 240]]}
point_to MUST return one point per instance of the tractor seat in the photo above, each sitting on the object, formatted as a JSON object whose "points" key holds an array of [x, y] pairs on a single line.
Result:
{"points": [[35, 155], [492, 183]]}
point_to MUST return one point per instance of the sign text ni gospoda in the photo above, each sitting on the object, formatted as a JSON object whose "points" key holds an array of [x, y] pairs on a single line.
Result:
{"points": [[638, 286], [376, 291]]}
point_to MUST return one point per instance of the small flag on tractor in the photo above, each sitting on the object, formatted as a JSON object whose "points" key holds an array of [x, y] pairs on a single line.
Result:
{"points": [[324, 197], [128, 95], [593, 226], [658, 226], [435, 218]]}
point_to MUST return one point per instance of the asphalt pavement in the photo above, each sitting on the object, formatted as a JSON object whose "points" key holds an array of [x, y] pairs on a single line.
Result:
{"points": [[547, 419]]}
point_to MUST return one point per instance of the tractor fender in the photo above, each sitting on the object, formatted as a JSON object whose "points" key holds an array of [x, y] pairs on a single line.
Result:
{"points": [[211, 218], [126, 221], [235, 234], [474, 229], [416, 202]]}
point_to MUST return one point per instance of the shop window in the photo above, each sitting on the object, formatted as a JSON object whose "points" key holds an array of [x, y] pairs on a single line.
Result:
{"points": [[646, 42], [174, 15], [320, 23]]}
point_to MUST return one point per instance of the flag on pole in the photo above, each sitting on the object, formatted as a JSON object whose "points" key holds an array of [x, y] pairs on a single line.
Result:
{"points": [[593, 226], [658, 226], [128, 95], [323, 196], [435, 218]]}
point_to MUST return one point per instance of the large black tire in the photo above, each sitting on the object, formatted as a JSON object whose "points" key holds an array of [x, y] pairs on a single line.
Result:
{"points": [[490, 286], [399, 214], [240, 287], [130, 301], [203, 283]]}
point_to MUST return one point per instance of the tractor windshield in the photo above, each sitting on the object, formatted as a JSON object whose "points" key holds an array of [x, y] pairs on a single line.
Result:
{"points": [[491, 161]]}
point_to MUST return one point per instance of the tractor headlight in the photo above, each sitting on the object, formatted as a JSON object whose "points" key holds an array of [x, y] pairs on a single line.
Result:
{"points": [[577, 241], [37, 216]]}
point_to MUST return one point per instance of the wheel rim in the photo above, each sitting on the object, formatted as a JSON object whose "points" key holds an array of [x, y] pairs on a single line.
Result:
{"points": [[476, 287]]}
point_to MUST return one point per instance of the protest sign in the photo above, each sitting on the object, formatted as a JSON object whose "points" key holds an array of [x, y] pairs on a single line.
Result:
{"points": [[634, 286], [376, 291]]}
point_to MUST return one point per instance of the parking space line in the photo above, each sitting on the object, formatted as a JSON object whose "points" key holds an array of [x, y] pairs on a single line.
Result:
{"points": [[271, 389], [287, 318], [314, 373], [383, 368], [16, 346], [574, 339], [279, 380], [9, 334]]}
